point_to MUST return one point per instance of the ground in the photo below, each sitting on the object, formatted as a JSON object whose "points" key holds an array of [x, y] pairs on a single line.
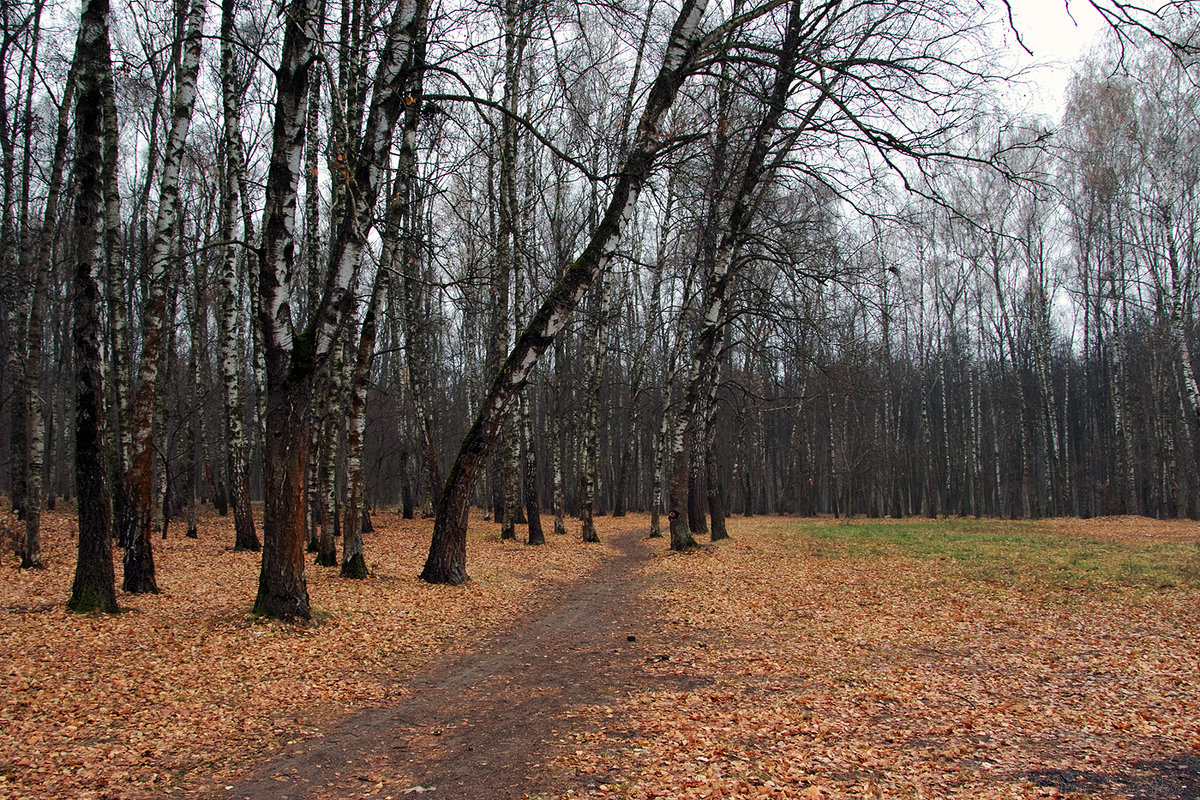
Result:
{"points": [[804, 658]]}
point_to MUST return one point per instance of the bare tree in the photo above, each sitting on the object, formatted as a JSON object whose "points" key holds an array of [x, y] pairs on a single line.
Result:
{"points": [[94, 587]]}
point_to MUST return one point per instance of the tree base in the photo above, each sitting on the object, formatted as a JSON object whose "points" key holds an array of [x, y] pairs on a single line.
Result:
{"points": [[451, 576], [535, 535], [681, 536], [327, 559], [292, 609], [86, 602], [355, 568]]}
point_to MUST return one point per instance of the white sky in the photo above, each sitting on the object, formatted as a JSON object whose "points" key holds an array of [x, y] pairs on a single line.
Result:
{"points": [[1056, 38]]}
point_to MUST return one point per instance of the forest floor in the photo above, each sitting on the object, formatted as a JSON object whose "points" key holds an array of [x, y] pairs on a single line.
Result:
{"points": [[801, 659]]}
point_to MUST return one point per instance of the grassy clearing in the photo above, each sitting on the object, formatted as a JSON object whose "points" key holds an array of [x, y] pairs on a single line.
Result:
{"points": [[1026, 554]]}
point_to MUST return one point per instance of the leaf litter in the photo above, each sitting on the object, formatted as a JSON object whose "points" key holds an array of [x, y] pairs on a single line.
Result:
{"points": [[185, 690], [906, 677], [774, 666]]}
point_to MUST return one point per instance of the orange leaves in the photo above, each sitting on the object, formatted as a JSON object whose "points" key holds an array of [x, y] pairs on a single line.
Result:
{"points": [[891, 677], [185, 688], [765, 670]]}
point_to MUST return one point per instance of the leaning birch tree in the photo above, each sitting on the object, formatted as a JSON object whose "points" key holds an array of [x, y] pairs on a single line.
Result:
{"points": [[447, 559]]}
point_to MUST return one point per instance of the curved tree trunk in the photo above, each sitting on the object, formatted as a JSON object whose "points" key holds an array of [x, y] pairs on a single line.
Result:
{"points": [[447, 559]]}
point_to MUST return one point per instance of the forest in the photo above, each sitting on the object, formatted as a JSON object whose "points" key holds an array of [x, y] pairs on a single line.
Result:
{"points": [[309, 259]]}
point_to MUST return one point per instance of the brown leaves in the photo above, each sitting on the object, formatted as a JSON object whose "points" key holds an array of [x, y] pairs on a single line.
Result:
{"points": [[813, 676], [184, 689], [769, 669]]}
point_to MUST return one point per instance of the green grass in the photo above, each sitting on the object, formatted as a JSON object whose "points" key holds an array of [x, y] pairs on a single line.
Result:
{"points": [[1012, 553]]}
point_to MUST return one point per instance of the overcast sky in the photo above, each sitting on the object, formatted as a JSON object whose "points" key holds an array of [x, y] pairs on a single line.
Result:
{"points": [[1056, 39]]}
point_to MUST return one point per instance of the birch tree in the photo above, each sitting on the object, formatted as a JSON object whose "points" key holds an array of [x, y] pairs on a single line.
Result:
{"points": [[139, 558], [297, 359], [234, 209], [94, 587], [446, 562]]}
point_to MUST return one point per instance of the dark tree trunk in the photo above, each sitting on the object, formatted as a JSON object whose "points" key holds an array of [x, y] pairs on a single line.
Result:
{"points": [[94, 587], [716, 505], [406, 488], [282, 591], [294, 359], [533, 510], [290, 357]]}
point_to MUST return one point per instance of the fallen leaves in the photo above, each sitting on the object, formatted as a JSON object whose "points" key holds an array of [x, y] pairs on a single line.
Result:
{"points": [[184, 690], [816, 676], [772, 666]]}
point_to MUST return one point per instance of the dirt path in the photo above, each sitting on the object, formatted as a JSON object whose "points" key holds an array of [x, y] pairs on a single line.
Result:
{"points": [[488, 722]]}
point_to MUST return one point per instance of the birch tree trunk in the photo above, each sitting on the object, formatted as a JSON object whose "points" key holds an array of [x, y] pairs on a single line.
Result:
{"points": [[354, 565], [232, 202], [323, 456], [590, 466], [661, 443], [447, 559], [94, 586], [417, 356], [723, 271], [557, 499], [716, 503], [31, 550], [294, 358], [120, 383], [697, 517], [19, 41], [139, 556]]}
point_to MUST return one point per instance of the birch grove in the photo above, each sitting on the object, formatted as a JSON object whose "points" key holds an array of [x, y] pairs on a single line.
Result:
{"points": [[490, 263]]}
